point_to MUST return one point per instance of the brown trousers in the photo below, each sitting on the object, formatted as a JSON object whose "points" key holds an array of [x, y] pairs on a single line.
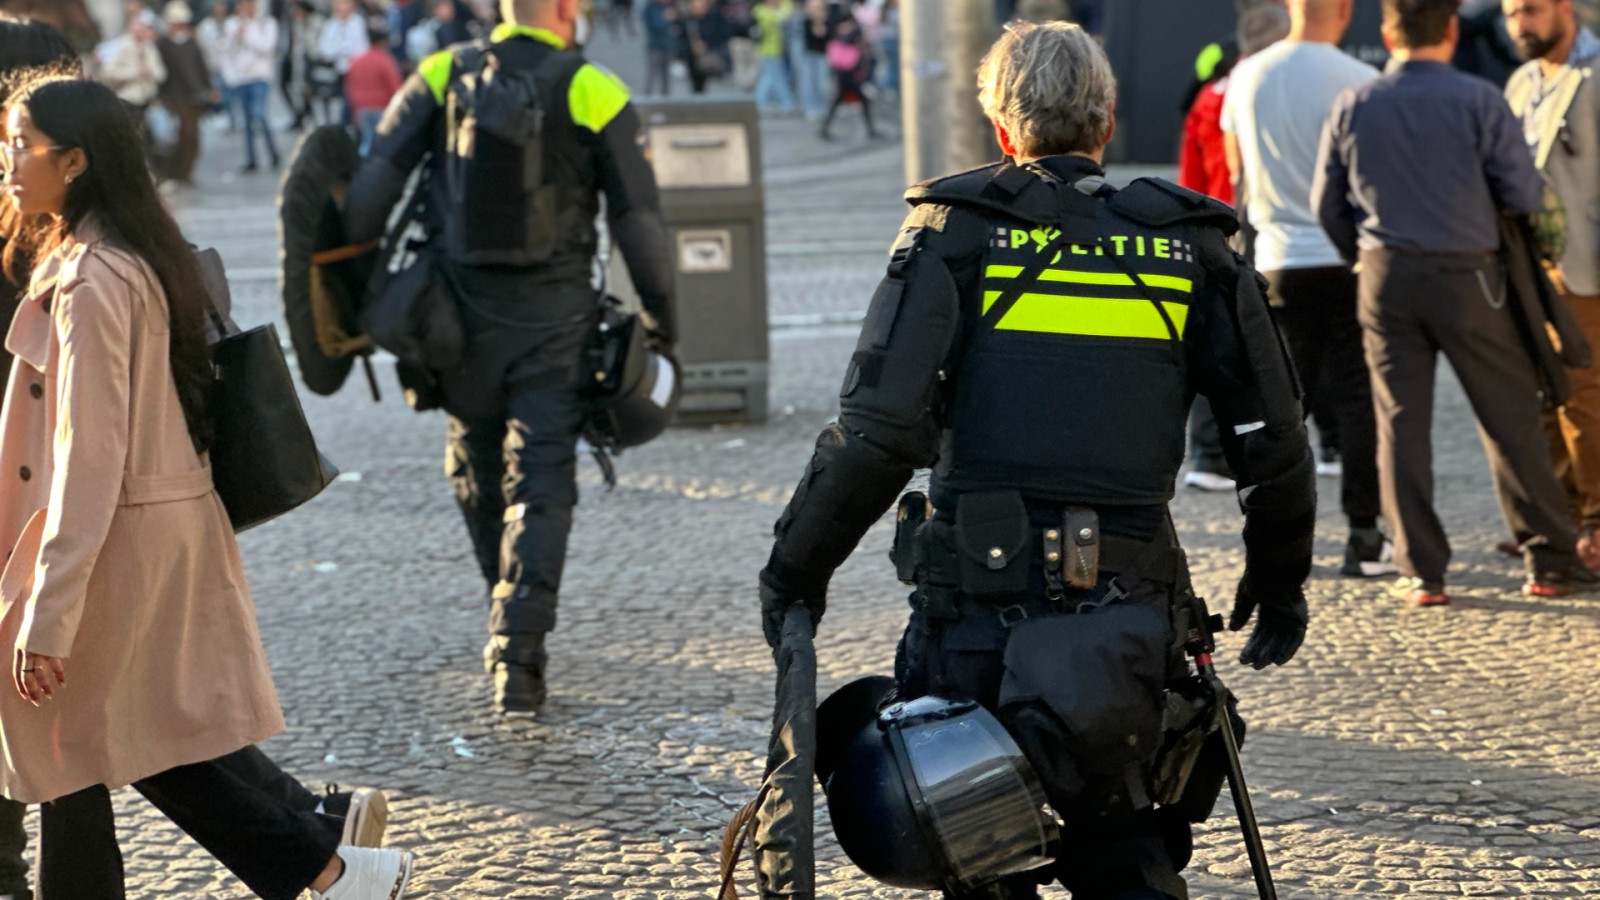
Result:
{"points": [[187, 149], [1574, 430]]}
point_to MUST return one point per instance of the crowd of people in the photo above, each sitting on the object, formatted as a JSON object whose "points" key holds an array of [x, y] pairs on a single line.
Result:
{"points": [[1369, 196], [809, 58], [333, 61]]}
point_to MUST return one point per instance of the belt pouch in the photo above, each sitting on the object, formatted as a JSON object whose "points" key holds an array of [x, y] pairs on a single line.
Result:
{"points": [[908, 519], [1090, 686], [1082, 546], [992, 539]]}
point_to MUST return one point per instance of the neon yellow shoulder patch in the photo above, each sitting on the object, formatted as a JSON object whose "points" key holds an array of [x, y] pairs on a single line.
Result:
{"points": [[1205, 65], [596, 97], [435, 71]]}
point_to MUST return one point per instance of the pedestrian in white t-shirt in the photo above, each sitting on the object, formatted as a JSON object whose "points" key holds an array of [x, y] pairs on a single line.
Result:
{"points": [[1272, 119]]}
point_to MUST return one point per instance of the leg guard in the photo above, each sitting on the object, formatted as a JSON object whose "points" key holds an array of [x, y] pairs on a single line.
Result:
{"points": [[540, 490], [473, 464]]}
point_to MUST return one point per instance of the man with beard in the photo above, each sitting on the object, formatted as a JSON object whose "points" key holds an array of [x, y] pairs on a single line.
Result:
{"points": [[1558, 101]]}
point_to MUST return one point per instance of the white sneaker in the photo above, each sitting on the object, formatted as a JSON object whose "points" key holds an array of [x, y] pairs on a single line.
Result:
{"points": [[1209, 481], [370, 874], [366, 819], [1330, 469]]}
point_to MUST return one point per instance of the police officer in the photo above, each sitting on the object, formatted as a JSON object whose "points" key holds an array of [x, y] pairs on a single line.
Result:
{"points": [[519, 139], [1037, 341]]}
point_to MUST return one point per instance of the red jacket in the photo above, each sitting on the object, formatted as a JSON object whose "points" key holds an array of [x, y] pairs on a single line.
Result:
{"points": [[1203, 161], [373, 79]]}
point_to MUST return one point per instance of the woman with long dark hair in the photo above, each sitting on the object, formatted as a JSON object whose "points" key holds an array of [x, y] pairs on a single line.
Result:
{"points": [[28, 50], [125, 572]]}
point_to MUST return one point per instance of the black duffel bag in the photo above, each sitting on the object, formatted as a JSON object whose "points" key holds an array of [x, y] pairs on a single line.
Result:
{"points": [[264, 460], [411, 312]]}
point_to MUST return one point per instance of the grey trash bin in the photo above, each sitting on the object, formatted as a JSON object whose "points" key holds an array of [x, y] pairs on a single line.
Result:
{"points": [[707, 160]]}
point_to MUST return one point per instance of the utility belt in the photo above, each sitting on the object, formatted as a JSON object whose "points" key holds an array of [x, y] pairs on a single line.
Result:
{"points": [[1090, 689], [992, 550]]}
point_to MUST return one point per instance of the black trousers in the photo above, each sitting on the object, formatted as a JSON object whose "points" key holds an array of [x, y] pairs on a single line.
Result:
{"points": [[1205, 441], [1414, 306], [13, 849], [845, 84], [273, 846], [1136, 856], [1316, 311], [513, 463]]}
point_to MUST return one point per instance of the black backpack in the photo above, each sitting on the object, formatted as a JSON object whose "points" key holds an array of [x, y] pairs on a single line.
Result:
{"points": [[503, 211]]}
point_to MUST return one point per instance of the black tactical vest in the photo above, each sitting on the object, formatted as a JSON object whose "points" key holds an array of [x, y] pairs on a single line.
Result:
{"points": [[521, 187], [1070, 378]]}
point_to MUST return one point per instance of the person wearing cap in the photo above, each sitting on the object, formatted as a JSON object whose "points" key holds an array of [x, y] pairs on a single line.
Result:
{"points": [[187, 91]]}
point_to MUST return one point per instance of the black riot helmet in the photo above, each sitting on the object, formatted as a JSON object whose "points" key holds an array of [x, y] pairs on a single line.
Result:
{"points": [[634, 386], [930, 793]]}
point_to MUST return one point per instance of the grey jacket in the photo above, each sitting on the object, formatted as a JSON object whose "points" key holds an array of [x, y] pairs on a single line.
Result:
{"points": [[1568, 155]]}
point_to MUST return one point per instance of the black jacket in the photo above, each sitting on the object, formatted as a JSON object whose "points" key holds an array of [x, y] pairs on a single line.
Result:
{"points": [[1537, 304]]}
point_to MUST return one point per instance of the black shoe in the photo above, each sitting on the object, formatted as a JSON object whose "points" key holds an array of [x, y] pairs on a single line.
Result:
{"points": [[518, 689], [1368, 554], [335, 802], [248, 168], [1573, 579]]}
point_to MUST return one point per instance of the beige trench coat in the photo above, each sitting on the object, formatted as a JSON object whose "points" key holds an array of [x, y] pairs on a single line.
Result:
{"points": [[119, 553]]}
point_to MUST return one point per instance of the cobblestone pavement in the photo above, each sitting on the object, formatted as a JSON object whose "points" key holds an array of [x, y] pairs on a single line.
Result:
{"points": [[1405, 751]]}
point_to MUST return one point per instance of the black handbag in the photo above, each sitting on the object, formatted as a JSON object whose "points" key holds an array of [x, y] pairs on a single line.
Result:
{"points": [[264, 459]]}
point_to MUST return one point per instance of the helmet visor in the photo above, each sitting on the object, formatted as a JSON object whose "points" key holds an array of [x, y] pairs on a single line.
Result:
{"points": [[980, 795]]}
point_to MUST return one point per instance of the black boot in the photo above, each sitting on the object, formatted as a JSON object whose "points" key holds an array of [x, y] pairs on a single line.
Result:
{"points": [[518, 689], [516, 663]]}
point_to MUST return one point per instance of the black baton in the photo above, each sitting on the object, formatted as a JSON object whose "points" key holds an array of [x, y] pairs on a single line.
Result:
{"points": [[1201, 646]]}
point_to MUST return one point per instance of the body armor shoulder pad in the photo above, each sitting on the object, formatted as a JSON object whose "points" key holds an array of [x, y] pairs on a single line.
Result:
{"points": [[1160, 204], [996, 188], [469, 56]]}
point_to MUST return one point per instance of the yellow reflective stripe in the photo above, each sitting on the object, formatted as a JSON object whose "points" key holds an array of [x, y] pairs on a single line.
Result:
{"points": [[596, 97], [1116, 279], [1091, 316], [435, 71], [505, 31], [1170, 282]]}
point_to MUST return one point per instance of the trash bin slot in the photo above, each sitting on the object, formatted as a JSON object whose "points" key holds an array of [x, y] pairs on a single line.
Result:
{"points": [[710, 155], [705, 143]]}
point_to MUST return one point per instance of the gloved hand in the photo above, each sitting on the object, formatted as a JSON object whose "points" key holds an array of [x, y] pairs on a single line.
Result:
{"points": [[1280, 628], [775, 603]]}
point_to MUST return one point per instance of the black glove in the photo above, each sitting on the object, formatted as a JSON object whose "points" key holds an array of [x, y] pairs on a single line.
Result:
{"points": [[1280, 628], [775, 603]]}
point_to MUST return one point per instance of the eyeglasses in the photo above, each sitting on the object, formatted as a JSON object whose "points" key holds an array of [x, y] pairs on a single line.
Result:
{"points": [[11, 152]]}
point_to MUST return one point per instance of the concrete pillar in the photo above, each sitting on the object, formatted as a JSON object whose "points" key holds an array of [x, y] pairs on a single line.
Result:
{"points": [[942, 42]]}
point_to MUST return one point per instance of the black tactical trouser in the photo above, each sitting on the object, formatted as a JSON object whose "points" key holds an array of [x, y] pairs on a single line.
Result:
{"points": [[1136, 856], [513, 462]]}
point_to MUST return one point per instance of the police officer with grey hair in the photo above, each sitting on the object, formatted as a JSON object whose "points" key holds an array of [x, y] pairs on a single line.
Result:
{"points": [[1037, 341]]}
